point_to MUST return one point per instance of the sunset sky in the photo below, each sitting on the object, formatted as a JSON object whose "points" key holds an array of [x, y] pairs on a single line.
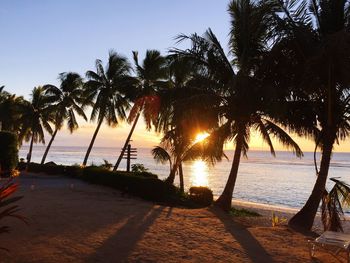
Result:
{"points": [[42, 38]]}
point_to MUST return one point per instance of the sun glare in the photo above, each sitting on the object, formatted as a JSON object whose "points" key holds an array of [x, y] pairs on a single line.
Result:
{"points": [[201, 136], [199, 173]]}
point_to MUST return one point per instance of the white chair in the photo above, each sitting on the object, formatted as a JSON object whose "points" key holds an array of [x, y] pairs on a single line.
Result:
{"points": [[331, 242]]}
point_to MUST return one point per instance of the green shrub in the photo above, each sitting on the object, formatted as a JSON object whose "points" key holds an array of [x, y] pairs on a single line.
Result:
{"points": [[145, 174], [50, 169], [8, 151], [201, 195], [144, 184], [148, 188], [243, 212], [73, 171], [138, 168]]}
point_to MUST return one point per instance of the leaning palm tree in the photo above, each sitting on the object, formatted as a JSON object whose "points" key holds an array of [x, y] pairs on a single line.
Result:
{"points": [[35, 119], [150, 79], [107, 89], [66, 101], [315, 33], [176, 147], [231, 88]]}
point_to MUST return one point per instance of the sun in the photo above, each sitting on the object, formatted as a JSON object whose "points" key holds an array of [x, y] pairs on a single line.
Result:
{"points": [[201, 136]]}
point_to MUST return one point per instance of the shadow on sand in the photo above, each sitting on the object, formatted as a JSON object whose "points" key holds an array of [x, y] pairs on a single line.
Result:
{"points": [[126, 238], [253, 249]]}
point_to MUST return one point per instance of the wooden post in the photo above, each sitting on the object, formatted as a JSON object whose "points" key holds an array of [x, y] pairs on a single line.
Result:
{"points": [[128, 158]]}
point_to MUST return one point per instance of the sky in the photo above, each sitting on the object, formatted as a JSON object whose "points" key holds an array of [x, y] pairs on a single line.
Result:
{"points": [[42, 38]]}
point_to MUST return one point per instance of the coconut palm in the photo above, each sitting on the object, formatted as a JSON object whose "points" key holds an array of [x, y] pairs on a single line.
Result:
{"points": [[233, 91], [316, 34], [66, 101], [35, 119], [179, 146], [10, 111], [150, 79], [107, 88]]}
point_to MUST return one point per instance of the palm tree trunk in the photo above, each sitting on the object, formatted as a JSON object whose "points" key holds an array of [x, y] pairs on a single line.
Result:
{"points": [[29, 156], [92, 141], [170, 179], [127, 141], [304, 219], [48, 146], [225, 199], [181, 176]]}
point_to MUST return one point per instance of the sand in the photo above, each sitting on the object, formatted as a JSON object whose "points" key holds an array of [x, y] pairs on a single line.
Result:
{"points": [[72, 221]]}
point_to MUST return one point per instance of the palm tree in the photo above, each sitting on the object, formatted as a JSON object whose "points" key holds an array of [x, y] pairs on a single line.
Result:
{"points": [[150, 79], [316, 34], [108, 87], [35, 119], [10, 111], [66, 101], [332, 205], [178, 146], [233, 91]]}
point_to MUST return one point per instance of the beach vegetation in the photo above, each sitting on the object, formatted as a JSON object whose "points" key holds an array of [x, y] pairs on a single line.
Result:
{"points": [[65, 102], [8, 153], [277, 220], [237, 95], [35, 119], [201, 195], [8, 208], [150, 79], [333, 203], [242, 212], [108, 90], [315, 43], [138, 168]]}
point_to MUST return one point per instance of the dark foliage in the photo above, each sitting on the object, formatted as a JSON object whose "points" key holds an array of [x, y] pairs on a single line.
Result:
{"points": [[8, 151], [201, 195], [7, 207]]}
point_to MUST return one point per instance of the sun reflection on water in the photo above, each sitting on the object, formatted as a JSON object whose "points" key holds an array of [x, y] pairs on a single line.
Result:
{"points": [[199, 173]]}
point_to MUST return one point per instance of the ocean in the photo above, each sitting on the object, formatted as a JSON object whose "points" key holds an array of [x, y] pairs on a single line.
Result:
{"points": [[282, 181]]}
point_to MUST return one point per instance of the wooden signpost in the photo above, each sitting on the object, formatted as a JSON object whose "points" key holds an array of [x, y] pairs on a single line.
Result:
{"points": [[129, 154]]}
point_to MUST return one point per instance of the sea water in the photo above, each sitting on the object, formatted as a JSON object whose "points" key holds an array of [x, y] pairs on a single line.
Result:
{"points": [[284, 180]]}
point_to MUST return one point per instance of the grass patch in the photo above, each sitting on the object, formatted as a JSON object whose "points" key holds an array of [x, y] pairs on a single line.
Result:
{"points": [[243, 212]]}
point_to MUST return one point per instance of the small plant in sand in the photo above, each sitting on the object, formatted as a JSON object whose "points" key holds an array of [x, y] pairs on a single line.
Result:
{"points": [[276, 220], [243, 212]]}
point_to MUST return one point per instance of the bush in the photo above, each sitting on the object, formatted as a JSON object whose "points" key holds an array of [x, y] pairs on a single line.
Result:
{"points": [[51, 169], [145, 174], [148, 188], [201, 195], [144, 184], [8, 152], [138, 168]]}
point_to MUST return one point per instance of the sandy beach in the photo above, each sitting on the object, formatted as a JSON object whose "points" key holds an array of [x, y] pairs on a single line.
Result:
{"points": [[71, 221]]}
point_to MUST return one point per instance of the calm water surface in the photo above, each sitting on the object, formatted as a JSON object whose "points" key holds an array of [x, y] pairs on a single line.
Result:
{"points": [[282, 181]]}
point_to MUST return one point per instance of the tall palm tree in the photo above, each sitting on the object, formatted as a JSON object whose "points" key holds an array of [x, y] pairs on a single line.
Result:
{"points": [[66, 101], [315, 33], [150, 79], [35, 119], [235, 94], [108, 88]]}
